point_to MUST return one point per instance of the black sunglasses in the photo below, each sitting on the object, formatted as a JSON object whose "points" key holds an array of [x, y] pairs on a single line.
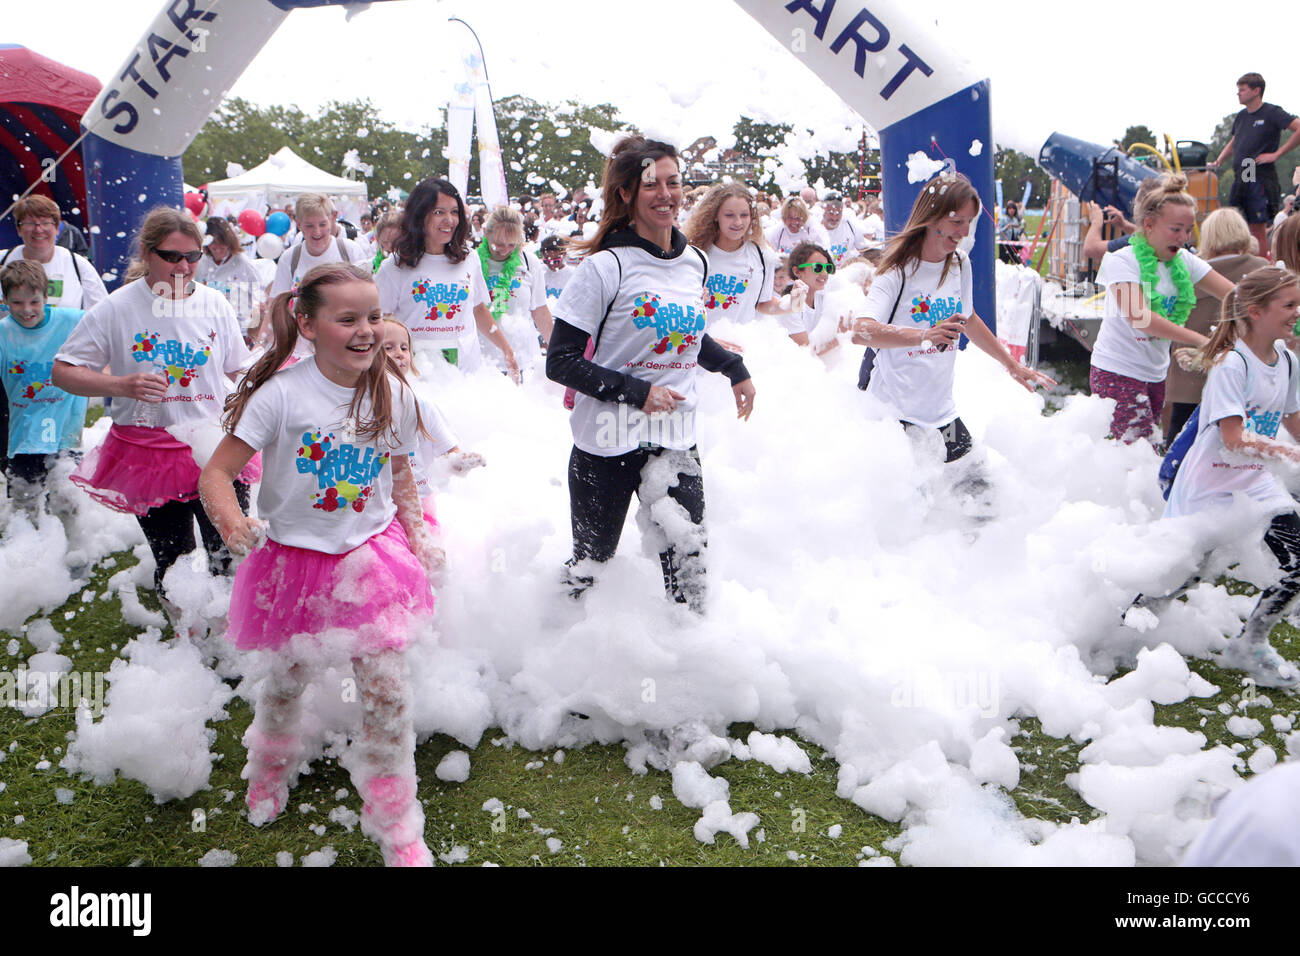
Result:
{"points": [[172, 256]]}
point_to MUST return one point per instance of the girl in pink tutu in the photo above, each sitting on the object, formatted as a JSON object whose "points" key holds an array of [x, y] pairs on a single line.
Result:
{"points": [[345, 568], [172, 348]]}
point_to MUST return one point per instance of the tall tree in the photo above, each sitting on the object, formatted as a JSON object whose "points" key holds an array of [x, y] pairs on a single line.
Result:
{"points": [[1015, 169], [1138, 134]]}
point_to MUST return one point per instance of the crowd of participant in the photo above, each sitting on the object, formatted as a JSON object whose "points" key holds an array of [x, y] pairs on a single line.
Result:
{"points": [[305, 360]]}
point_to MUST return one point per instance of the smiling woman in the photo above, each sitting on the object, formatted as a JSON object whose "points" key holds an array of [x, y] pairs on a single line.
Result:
{"points": [[171, 347], [629, 338]]}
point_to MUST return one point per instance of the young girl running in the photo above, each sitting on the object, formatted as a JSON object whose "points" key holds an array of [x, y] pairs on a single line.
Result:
{"points": [[346, 566], [1151, 287], [1251, 390], [919, 305]]}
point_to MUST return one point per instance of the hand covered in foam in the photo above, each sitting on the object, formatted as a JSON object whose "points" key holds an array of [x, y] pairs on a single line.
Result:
{"points": [[246, 534]]}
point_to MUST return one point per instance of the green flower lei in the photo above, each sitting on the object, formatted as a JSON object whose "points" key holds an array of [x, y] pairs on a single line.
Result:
{"points": [[1182, 279], [501, 297]]}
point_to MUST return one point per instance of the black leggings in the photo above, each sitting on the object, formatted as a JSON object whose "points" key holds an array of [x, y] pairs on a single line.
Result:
{"points": [[956, 438], [1283, 539], [169, 529], [600, 491]]}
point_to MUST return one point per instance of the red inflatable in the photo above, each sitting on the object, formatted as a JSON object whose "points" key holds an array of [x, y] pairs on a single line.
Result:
{"points": [[252, 222]]}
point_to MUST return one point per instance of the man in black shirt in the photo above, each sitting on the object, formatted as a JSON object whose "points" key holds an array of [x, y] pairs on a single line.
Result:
{"points": [[1254, 146]]}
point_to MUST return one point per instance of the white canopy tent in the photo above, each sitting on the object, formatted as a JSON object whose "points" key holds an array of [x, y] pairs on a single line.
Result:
{"points": [[278, 181]]}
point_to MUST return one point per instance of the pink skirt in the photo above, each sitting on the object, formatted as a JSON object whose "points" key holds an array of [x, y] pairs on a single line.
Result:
{"points": [[138, 469], [376, 593]]}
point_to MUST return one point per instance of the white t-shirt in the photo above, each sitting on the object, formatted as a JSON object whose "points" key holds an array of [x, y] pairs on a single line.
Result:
{"points": [[527, 292], [917, 380], [197, 339], [63, 290], [873, 228], [1120, 348], [555, 280], [436, 301], [780, 238], [845, 240], [1254, 825], [1262, 396], [806, 319], [237, 279], [323, 488], [287, 277], [429, 450], [739, 281], [654, 331]]}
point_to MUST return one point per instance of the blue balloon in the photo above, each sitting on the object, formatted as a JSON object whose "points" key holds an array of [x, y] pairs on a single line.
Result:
{"points": [[277, 223]]}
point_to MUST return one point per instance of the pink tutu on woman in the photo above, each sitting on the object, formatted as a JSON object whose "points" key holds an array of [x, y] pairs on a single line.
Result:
{"points": [[137, 469], [378, 591]]}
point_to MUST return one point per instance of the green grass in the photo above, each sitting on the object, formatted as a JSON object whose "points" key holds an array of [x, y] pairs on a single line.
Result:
{"points": [[590, 801]]}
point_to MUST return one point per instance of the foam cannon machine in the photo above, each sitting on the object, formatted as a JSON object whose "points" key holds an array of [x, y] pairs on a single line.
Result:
{"points": [[1101, 174], [151, 109]]}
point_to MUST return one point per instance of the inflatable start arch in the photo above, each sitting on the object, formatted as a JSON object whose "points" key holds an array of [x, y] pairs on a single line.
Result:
{"points": [[153, 107], [913, 90]]}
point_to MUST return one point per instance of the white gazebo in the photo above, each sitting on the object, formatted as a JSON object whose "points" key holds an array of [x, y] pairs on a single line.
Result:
{"points": [[281, 179]]}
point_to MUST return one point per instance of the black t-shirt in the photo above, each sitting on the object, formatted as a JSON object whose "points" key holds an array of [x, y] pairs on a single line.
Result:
{"points": [[1258, 132]]}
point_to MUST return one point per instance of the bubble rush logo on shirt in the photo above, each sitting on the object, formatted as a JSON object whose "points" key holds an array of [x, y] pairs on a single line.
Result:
{"points": [[674, 325], [344, 475], [181, 358], [443, 298], [1261, 422], [494, 281], [724, 290], [16, 368], [838, 252], [933, 311]]}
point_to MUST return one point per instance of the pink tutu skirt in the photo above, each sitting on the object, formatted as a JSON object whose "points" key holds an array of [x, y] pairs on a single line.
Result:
{"points": [[137, 469], [376, 592]]}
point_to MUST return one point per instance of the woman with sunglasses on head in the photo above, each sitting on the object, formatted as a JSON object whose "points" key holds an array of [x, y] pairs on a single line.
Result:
{"points": [[919, 305], [172, 347]]}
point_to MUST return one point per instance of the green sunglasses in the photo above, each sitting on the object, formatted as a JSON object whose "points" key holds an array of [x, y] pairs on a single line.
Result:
{"points": [[819, 267]]}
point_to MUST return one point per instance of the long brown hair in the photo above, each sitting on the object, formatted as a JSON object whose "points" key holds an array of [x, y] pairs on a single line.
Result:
{"points": [[623, 169], [1255, 289], [702, 227], [310, 298], [941, 197], [409, 247]]}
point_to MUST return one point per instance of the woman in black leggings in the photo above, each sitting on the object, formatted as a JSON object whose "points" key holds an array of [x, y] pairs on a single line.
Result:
{"points": [[628, 339]]}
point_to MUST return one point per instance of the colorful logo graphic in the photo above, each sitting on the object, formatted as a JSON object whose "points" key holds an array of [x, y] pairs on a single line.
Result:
{"points": [[16, 368], [839, 251], [181, 359], [515, 283], [933, 311], [345, 473], [442, 298], [1261, 422], [677, 328], [722, 291]]}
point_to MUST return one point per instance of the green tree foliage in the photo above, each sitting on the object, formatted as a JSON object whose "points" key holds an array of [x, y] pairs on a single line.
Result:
{"points": [[1015, 168], [541, 143], [840, 171], [1286, 165], [240, 132], [1138, 134]]}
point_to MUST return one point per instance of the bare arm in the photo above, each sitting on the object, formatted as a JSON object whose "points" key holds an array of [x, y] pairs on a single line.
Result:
{"points": [[1215, 283], [1236, 438], [483, 319], [217, 493], [542, 319], [990, 344], [423, 544], [1289, 145], [80, 380], [1225, 152]]}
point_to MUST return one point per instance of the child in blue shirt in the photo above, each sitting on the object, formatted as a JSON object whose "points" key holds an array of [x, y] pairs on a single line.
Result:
{"points": [[44, 422]]}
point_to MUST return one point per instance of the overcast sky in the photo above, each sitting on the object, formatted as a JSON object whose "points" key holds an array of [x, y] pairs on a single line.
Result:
{"points": [[686, 68]]}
